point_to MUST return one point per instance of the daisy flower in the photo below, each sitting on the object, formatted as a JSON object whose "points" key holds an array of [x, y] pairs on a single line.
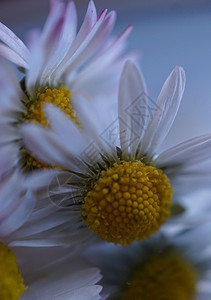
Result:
{"points": [[160, 268], [30, 267], [59, 63], [115, 177]]}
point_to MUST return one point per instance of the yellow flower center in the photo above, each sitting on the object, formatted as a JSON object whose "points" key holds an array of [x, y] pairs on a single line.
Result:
{"points": [[60, 97], [11, 282], [128, 202], [162, 277]]}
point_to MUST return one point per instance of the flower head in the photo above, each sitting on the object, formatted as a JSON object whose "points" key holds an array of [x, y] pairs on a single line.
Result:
{"points": [[123, 187], [59, 63]]}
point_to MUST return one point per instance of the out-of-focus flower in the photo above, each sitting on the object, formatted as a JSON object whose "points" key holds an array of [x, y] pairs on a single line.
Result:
{"points": [[29, 265], [116, 182], [59, 64], [176, 267]]}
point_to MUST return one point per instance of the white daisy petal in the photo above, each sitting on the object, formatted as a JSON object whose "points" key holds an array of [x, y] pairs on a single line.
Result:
{"points": [[49, 222], [7, 192], [78, 53], [13, 42], [183, 151], [12, 56], [8, 134], [66, 38], [86, 118], [89, 21], [92, 43], [53, 21], [10, 89], [16, 215], [85, 293], [36, 61], [65, 127], [47, 146], [93, 72], [42, 44], [168, 104], [9, 157], [55, 239], [78, 284], [39, 179], [132, 91]]}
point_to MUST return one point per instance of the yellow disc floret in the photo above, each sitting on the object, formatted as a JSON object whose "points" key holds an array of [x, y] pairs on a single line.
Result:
{"points": [[128, 202], [61, 97], [11, 282], [162, 277]]}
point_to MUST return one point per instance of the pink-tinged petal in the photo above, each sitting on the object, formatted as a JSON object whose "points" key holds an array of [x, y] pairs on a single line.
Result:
{"points": [[89, 21], [132, 105], [14, 43], [79, 45], [115, 48], [91, 44], [103, 65], [42, 45], [65, 40], [53, 23], [165, 112], [12, 56]]}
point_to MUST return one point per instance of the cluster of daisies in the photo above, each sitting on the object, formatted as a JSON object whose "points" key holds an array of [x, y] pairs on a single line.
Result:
{"points": [[90, 207]]}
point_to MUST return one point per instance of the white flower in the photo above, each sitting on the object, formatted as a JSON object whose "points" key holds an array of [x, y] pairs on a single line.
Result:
{"points": [[59, 64], [27, 233], [122, 183], [176, 267]]}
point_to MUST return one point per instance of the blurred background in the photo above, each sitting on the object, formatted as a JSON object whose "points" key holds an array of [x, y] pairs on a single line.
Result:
{"points": [[166, 33]]}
